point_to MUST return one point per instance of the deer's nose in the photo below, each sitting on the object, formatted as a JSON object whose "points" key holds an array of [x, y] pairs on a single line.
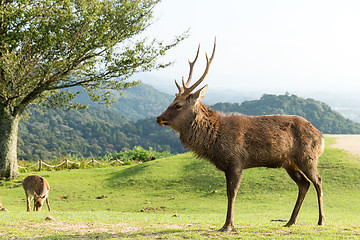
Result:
{"points": [[161, 121], [158, 119]]}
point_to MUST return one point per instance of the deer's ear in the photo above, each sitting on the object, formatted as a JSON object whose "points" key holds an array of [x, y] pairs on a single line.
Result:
{"points": [[199, 94]]}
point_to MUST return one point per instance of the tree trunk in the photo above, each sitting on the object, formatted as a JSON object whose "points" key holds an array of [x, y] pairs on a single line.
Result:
{"points": [[8, 144]]}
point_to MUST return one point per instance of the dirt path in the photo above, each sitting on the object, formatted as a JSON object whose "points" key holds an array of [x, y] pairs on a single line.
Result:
{"points": [[349, 142]]}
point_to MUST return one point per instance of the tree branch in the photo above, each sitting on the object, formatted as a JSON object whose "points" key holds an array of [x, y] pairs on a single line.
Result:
{"points": [[27, 100], [68, 85]]}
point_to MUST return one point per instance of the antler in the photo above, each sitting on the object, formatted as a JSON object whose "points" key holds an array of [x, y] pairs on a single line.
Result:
{"points": [[191, 68], [184, 90], [185, 85]]}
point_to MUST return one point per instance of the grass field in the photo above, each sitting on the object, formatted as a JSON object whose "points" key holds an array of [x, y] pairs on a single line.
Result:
{"points": [[182, 197]]}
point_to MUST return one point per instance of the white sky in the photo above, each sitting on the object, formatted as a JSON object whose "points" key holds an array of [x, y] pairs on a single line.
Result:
{"points": [[263, 45]]}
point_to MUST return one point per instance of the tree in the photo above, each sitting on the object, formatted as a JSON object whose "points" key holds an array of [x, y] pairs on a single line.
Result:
{"points": [[47, 47]]}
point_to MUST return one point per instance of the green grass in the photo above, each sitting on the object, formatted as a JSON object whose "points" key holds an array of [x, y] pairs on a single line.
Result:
{"points": [[174, 198]]}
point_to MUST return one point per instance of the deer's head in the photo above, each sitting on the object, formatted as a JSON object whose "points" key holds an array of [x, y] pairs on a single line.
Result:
{"points": [[39, 202], [183, 108]]}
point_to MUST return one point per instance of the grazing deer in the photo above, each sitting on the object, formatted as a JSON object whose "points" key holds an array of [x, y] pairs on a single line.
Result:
{"points": [[38, 188], [234, 142]]}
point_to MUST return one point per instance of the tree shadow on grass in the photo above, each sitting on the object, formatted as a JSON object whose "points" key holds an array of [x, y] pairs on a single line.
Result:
{"points": [[195, 174], [127, 175], [203, 176]]}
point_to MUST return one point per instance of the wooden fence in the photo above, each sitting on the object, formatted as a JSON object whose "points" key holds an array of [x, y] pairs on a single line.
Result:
{"points": [[66, 162]]}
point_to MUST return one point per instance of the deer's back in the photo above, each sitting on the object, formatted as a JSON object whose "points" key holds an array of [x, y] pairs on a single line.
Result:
{"points": [[264, 141], [35, 184]]}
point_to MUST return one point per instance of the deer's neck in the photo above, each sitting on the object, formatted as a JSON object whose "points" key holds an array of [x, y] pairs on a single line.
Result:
{"points": [[43, 188], [201, 133]]}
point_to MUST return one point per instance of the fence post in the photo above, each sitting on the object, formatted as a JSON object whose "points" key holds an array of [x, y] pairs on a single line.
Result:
{"points": [[67, 163], [40, 164]]}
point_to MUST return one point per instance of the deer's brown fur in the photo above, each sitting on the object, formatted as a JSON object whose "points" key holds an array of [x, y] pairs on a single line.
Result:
{"points": [[234, 142], [38, 188]]}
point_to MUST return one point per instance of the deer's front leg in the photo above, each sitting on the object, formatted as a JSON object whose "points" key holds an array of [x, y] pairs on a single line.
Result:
{"points": [[233, 178], [47, 202], [28, 200]]}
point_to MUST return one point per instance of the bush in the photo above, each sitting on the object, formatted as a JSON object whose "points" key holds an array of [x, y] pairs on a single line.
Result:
{"points": [[137, 154]]}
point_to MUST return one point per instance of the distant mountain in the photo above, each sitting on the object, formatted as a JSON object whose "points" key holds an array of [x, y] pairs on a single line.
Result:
{"points": [[318, 113], [138, 102], [142, 101]]}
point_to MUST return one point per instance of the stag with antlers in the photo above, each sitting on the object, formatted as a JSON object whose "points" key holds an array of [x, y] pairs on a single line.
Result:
{"points": [[234, 142]]}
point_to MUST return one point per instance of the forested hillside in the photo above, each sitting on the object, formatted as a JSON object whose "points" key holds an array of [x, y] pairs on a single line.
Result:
{"points": [[318, 113], [90, 132], [97, 130]]}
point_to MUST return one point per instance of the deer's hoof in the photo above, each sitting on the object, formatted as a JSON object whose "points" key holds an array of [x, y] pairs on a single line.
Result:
{"points": [[289, 223], [225, 229], [321, 221]]}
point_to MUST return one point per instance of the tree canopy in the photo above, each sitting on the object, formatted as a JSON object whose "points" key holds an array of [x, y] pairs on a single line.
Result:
{"points": [[49, 46]]}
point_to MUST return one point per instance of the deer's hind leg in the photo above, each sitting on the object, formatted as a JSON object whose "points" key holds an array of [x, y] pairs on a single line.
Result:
{"points": [[313, 175], [28, 201], [303, 184]]}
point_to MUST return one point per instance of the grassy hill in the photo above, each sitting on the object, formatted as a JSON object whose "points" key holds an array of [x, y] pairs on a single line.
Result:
{"points": [[184, 197]]}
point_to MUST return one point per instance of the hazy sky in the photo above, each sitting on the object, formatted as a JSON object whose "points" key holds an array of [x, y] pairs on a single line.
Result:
{"points": [[263, 45]]}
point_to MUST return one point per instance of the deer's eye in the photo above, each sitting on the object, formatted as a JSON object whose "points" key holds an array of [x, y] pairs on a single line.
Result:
{"points": [[178, 106]]}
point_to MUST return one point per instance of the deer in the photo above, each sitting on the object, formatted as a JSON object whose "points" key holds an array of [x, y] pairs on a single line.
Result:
{"points": [[235, 142], [36, 188]]}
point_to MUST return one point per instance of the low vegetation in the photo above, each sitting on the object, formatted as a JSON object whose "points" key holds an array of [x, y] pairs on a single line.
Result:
{"points": [[181, 197]]}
